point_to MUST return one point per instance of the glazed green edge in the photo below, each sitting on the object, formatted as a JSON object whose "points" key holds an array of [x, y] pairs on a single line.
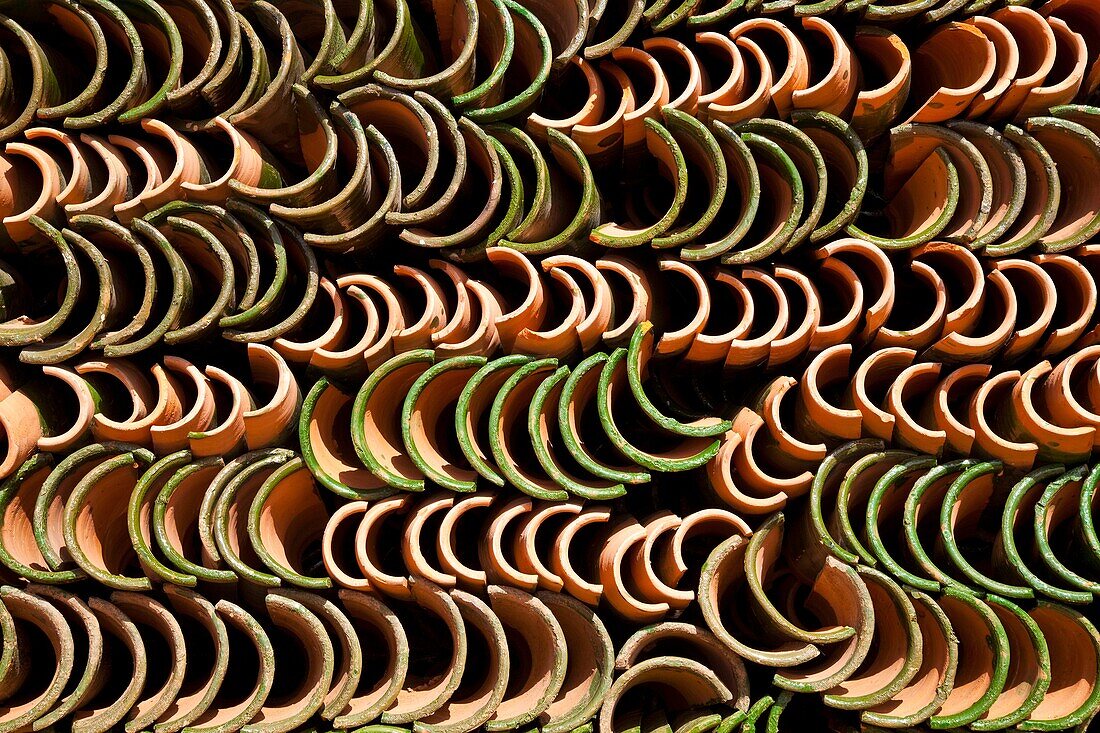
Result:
{"points": [[148, 480], [255, 512], [359, 410]]}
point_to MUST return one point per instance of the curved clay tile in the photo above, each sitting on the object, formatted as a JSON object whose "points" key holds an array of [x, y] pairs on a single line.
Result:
{"points": [[376, 428], [589, 668], [1067, 73], [783, 198], [250, 658], [1072, 641], [800, 291], [548, 428], [921, 514], [231, 495], [1007, 179], [681, 684], [408, 125], [754, 347], [1030, 513], [737, 476], [268, 423], [741, 100], [619, 590], [1029, 664], [347, 667], [453, 556], [424, 431], [417, 548], [842, 298], [612, 29], [30, 183], [468, 708], [561, 339], [114, 699], [820, 412], [790, 68], [845, 162], [19, 551], [814, 538], [338, 546], [196, 417], [691, 642], [1007, 53], [579, 107], [305, 684], [830, 86], [1082, 18], [902, 329], [226, 437], [721, 580], [926, 692], [877, 108], [498, 556], [459, 23], [40, 695], [155, 620], [372, 698], [145, 410], [527, 547], [870, 386], [722, 227], [638, 303], [642, 349], [988, 400], [1068, 391], [874, 269], [579, 434], [1042, 197], [909, 400], [691, 451], [1070, 321], [88, 645], [784, 441], [1037, 51], [886, 504], [598, 312], [704, 157], [370, 550], [377, 342], [99, 176], [536, 629], [1071, 146], [324, 433], [301, 344], [911, 145], [844, 600], [950, 69], [632, 230], [525, 72], [897, 655], [714, 347], [421, 696], [95, 513], [481, 195], [919, 209], [35, 89], [983, 659], [179, 495], [287, 519], [962, 506], [544, 228]]}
